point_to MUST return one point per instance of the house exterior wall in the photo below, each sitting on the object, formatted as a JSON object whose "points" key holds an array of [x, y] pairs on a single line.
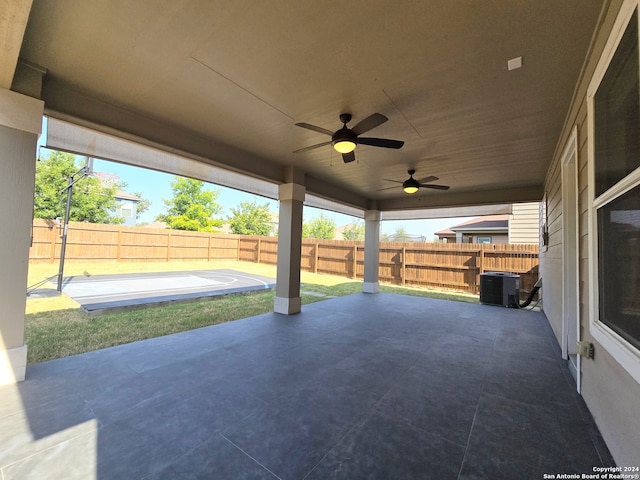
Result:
{"points": [[609, 390], [524, 223], [496, 238], [127, 209]]}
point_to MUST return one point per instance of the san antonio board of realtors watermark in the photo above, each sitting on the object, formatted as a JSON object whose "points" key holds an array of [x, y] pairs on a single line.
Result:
{"points": [[599, 473]]}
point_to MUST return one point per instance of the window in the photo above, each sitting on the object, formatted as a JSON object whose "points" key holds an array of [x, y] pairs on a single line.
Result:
{"points": [[484, 239], [614, 136], [616, 112], [619, 265], [126, 210]]}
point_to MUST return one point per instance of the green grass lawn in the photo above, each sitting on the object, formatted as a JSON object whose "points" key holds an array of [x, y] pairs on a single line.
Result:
{"points": [[57, 327]]}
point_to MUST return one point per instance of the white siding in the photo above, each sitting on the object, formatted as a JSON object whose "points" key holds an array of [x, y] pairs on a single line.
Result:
{"points": [[524, 223], [612, 395]]}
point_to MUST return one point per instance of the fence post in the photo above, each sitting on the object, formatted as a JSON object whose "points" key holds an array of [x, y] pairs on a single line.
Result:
{"points": [[209, 247], [119, 246], [54, 235], [168, 245], [403, 273], [355, 261], [315, 259], [238, 249], [259, 245]]}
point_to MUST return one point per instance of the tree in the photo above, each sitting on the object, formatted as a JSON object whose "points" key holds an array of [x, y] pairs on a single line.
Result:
{"points": [[192, 207], [354, 231], [142, 206], [400, 235], [91, 202], [251, 219], [321, 227]]}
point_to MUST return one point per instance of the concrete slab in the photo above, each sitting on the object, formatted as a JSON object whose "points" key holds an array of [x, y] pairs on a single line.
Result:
{"points": [[99, 293]]}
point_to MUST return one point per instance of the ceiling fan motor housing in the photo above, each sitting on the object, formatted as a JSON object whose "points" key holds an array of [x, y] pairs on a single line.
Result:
{"points": [[411, 182], [344, 135]]}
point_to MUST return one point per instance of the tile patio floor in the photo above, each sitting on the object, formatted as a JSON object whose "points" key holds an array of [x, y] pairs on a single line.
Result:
{"points": [[358, 387]]}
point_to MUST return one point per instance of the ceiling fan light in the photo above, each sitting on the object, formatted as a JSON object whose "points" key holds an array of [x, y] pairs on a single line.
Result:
{"points": [[344, 146], [411, 185]]}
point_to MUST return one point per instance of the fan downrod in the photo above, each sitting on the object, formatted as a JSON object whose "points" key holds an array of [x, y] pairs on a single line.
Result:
{"points": [[345, 118]]}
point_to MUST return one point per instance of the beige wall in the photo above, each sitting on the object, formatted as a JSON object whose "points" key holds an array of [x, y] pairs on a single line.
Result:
{"points": [[524, 223], [610, 392]]}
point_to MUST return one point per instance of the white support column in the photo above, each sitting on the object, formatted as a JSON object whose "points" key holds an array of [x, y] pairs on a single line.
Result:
{"points": [[371, 251], [291, 198], [20, 124]]}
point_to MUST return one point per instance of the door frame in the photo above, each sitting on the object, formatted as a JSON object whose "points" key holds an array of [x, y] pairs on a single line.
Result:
{"points": [[571, 255]]}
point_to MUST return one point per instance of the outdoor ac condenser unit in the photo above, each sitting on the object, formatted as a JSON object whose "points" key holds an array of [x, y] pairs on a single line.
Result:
{"points": [[498, 288]]}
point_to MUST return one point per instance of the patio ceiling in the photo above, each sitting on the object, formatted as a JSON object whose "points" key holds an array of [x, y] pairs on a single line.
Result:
{"points": [[226, 81]]}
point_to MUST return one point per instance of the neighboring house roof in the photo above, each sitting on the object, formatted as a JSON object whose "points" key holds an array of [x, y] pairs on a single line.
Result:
{"points": [[121, 195], [109, 180], [489, 223]]}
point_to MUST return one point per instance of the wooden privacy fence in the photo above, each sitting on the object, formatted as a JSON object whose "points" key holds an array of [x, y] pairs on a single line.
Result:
{"points": [[450, 266]]}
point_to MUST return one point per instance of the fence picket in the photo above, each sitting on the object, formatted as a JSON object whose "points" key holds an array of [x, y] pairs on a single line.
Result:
{"points": [[453, 266]]}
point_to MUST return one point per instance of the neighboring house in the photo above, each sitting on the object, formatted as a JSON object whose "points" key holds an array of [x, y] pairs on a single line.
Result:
{"points": [[126, 203], [487, 229], [127, 207], [521, 226]]}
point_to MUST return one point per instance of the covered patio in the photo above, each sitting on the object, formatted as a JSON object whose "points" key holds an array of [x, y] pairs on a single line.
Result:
{"points": [[364, 386]]}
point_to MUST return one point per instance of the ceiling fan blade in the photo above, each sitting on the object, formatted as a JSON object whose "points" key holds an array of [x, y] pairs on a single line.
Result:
{"points": [[435, 187], [381, 142], [388, 188], [428, 179], [308, 126], [348, 157], [312, 147], [394, 181], [369, 123]]}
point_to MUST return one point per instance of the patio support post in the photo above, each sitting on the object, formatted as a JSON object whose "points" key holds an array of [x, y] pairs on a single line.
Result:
{"points": [[371, 251], [291, 198], [20, 124]]}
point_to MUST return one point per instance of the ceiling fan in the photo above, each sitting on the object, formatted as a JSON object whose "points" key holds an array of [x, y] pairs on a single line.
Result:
{"points": [[411, 185], [345, 140]]}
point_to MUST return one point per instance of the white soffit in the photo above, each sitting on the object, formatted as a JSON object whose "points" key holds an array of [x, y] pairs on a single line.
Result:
{"points": [[323, 203], [448, 212], [66, 136]]}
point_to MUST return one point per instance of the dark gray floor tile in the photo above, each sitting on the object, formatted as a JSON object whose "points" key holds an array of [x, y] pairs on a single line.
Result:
{"points": [[189, 417], [291, 437], [441, 402], [215, 458], [525, 344], [511, 439], [459, 351], [382, 448], [526, 379], [130, 453], [363, 386]]}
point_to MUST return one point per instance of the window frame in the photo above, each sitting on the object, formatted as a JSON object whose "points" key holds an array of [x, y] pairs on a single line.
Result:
{"points": [[620, 349]]}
